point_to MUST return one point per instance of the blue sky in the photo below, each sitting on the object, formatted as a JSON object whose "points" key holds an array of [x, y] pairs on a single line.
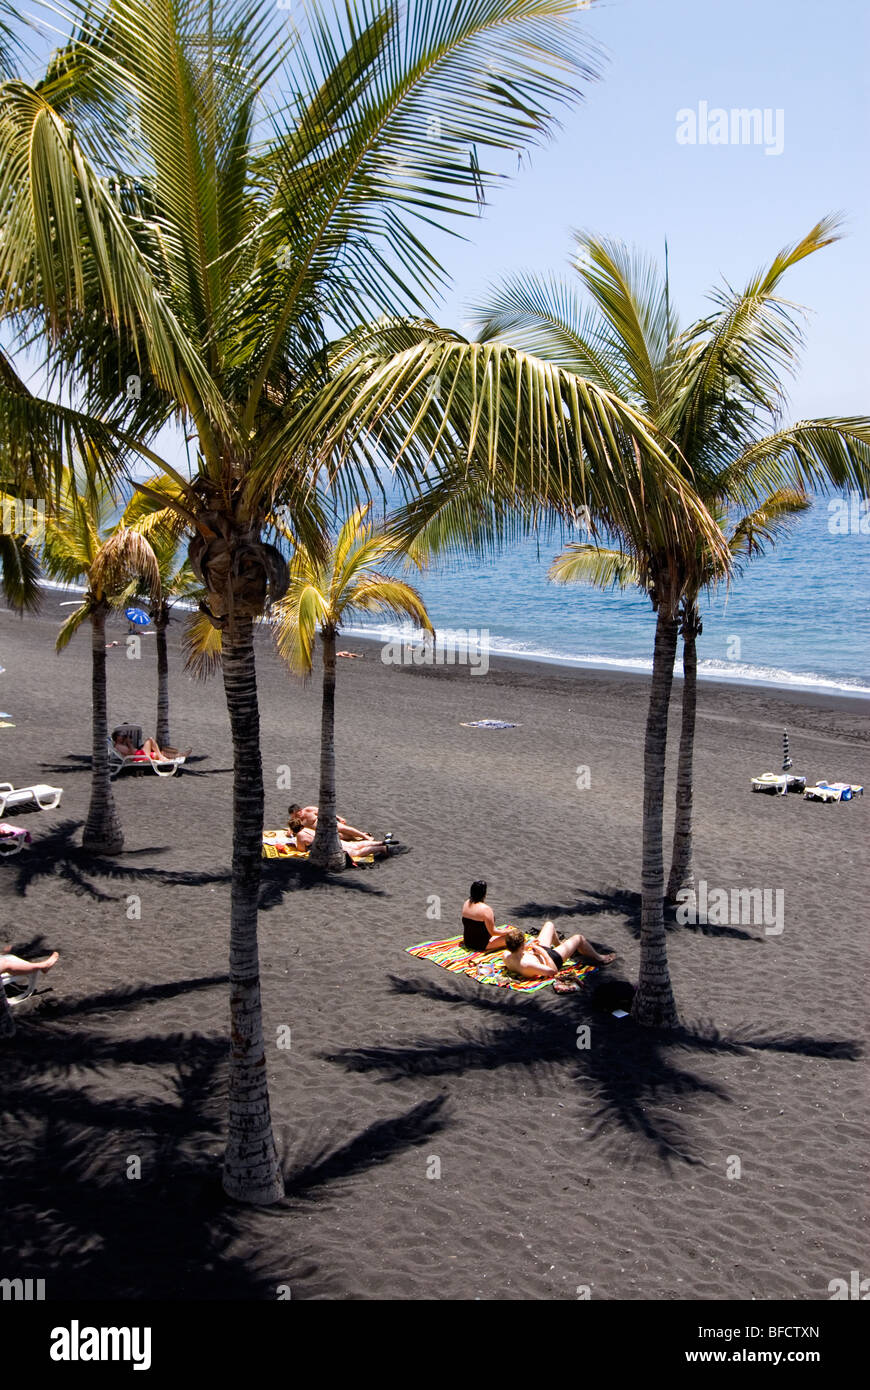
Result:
{"points": [[616, 168]]}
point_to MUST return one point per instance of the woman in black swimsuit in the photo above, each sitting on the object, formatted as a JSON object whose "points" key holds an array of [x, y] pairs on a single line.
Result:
{"points": [[478, 922]]}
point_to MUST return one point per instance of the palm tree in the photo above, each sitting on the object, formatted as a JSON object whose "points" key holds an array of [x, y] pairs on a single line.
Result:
{"points": [[748, 537], [714, 390], [321, 595], [183, 263], [177, 582], [80, 545]]}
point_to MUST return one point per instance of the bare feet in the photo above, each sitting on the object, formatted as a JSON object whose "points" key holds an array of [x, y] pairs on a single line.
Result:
{"points": [[14, 965]]}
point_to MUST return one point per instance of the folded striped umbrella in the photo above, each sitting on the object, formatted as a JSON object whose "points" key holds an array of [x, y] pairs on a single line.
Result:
{"points": [[787, 763]]}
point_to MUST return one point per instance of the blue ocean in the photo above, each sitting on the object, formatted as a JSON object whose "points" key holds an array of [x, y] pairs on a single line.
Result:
{"points": [[797, 616]]}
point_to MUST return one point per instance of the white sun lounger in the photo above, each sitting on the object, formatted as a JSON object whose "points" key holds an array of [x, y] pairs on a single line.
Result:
{"points": [[164, 767], [46, 798], [778, 782], [832, 791], [19, 987]]}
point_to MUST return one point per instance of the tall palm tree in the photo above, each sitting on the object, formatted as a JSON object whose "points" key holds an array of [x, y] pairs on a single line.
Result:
{"points": [[321, 595], [80, 544], [714, 390], [177, 583], [748, 536], [229, 198]]}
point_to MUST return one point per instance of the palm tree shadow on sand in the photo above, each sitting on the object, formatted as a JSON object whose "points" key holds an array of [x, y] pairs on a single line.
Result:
{"points": [[57, 855], [111, 1154], [633, 1076], [619, 902], [282, 876]]}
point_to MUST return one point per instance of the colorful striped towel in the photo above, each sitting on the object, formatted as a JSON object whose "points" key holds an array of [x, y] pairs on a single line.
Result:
{"points": [[488, 967]]}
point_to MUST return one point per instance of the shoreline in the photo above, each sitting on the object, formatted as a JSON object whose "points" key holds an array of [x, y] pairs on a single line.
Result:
{"points": [[628, 666], [816, 695]]}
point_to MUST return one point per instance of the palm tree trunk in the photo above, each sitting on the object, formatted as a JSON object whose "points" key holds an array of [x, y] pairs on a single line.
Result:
{"points": [[682, 873], [161, 734], [654, 1001], [326, 850], [251, 1169], [102, 832]]}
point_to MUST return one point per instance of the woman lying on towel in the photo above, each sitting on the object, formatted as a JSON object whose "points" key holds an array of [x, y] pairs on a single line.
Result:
{"points": [[478, 922], [544, 958]]}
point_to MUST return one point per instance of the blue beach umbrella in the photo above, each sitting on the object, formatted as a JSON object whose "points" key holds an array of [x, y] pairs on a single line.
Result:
{"points": [[138, 616]]}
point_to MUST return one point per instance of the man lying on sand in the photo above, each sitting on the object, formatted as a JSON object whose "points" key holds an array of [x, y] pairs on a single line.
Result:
{"points": [[14, 965], [478, 922], [307, 816], [541, 959]]}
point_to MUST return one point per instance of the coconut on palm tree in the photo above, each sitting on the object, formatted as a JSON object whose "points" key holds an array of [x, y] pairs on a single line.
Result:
{"points": [[80, 543], [230, 198], [322, 594], [714, 391]]}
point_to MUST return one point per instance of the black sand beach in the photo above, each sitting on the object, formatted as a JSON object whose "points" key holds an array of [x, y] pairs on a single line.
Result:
{"points": [[409, 1098]]}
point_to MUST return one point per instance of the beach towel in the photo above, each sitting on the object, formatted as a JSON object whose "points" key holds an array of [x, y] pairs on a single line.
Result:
{"points": [[275, 848], [488, 967], [278, 851], [489, 724], [14, 832]]}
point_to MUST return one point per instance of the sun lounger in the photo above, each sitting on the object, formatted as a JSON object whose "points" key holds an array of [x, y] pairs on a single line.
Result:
{"points": [[19, 987], [164, 767], [12, 839], [778, 783], [833, 791], [45, 797]]}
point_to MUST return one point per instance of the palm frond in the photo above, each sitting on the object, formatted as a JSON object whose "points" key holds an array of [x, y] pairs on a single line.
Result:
{"points": [[429, 80], [295, 620], [381, 593], [763, 526], [71, 626], [545, 316], [19, 565], [582, 563], [808, 456], [201, 645], [125, 557]]}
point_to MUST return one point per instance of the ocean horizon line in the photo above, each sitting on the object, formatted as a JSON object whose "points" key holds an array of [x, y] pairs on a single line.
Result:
{"points": [[725, 672]]}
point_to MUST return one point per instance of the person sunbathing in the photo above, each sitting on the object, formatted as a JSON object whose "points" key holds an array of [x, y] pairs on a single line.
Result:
{"points": [[544, 958], [14, 965], [478, 923], [308, 818], [123, 744], [354, 848]]}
